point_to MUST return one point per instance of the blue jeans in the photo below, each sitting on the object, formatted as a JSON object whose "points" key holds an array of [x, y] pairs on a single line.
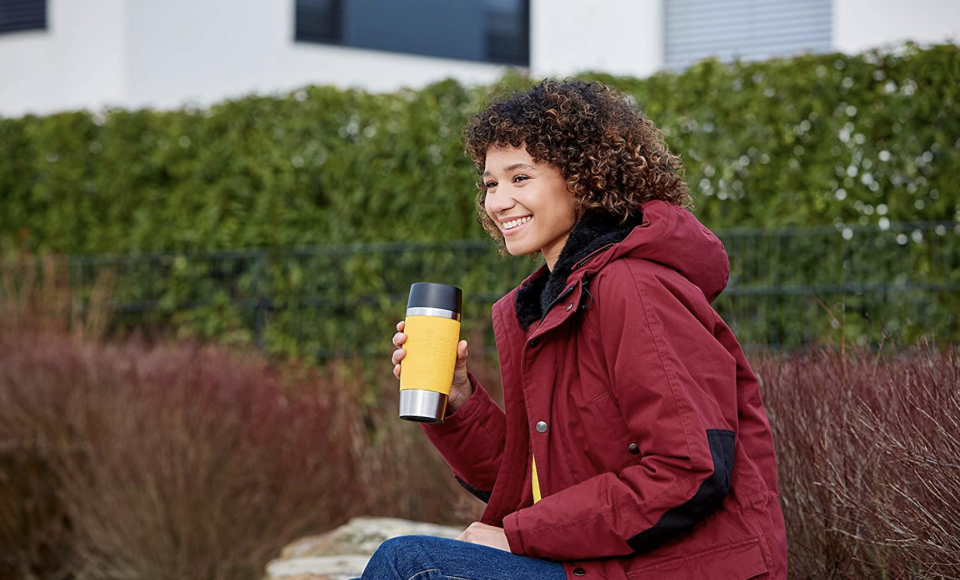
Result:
{"points": [[429, 558]]}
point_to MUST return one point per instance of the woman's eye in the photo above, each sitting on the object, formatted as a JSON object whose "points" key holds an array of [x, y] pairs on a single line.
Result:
{"points": [[490, 184]]}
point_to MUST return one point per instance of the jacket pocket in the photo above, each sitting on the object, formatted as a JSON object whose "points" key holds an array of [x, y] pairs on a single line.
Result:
{"points": [[612, 419], [739, 561]]}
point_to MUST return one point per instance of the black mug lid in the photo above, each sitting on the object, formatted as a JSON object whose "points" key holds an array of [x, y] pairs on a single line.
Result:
{"points": [[433, 295]]}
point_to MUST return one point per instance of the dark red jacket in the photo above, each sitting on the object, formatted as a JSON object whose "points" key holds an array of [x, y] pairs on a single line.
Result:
{"points": [[654, 452]]}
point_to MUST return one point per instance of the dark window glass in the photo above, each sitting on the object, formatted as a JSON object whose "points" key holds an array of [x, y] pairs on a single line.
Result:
{"points": [[478, 30], [320, 20], [23, 15], [508, 31]]}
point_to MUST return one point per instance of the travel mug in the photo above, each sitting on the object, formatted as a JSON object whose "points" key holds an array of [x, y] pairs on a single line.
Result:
{"points": [[432, 326]]}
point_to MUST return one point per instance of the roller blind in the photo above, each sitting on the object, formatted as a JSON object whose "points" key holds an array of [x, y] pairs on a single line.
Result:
{"points": [[748, 29]]}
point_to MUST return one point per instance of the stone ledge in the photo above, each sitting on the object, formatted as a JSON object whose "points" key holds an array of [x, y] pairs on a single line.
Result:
{"points": [[343, 553]]}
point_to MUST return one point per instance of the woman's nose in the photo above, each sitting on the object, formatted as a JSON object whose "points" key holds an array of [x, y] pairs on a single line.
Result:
{"points": [[499, 205]]}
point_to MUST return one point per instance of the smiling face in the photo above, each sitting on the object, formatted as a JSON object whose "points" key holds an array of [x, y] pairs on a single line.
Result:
{"points": [[517, 187]]}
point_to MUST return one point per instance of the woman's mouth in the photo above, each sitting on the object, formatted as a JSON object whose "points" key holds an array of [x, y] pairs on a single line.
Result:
{"points": [[516, 228]]}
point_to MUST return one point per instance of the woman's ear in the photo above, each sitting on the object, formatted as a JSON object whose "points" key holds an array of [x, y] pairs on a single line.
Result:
{"points": [[579, 208]]}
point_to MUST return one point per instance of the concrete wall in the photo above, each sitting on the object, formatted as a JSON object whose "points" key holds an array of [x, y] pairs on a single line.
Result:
{"points": [[616, 36], [863, 24], [76, 62], [205, 50], [139, 53]]}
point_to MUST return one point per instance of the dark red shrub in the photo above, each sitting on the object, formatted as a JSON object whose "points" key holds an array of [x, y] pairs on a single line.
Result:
{"points": [[867, 448], [165, 462], [186, 461]]}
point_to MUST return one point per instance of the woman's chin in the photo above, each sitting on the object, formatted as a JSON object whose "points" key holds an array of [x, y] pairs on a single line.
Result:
{"points": [[518, 249], [521, 252]]}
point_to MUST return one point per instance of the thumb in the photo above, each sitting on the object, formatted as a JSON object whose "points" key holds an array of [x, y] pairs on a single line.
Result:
{"points": [[461, 354]]}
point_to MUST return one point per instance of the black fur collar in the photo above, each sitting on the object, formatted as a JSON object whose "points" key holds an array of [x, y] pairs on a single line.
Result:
{"points": [[595, 229]]}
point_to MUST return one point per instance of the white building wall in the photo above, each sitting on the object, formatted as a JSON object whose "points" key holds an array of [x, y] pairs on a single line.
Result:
{"points": [[206, 50], [136, 53], [623, 37], [171, 53], [863, 24], [167, 54], [76, 62]]}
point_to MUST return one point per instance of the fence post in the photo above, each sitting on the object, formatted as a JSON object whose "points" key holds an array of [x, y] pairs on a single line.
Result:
{"points": [[258, 312]]}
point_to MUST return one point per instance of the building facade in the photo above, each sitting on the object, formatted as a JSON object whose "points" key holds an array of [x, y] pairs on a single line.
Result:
{"points": [[67, 54]]}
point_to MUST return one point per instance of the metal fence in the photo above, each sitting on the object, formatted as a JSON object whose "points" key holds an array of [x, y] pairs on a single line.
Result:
{"points": [[803, 286], [788, 288]]}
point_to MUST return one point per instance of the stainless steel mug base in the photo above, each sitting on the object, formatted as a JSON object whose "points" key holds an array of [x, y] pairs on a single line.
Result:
{"points": [[422, 406]]}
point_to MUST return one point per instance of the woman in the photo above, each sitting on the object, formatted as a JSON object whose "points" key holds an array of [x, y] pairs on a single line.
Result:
{"points": [[634, 441]]}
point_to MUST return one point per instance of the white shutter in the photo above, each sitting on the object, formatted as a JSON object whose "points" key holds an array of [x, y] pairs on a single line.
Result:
{"points": [[748, 29]]}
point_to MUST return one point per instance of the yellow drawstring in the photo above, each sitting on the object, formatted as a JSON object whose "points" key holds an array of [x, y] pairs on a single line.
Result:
{"points": [[536, 482]]}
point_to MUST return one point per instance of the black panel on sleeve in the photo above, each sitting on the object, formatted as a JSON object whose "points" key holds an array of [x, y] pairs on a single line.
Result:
{"points": [[703, 503]]}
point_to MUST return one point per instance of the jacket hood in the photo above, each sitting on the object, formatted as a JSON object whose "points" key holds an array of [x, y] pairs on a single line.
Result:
{"points": [[658, 231]]}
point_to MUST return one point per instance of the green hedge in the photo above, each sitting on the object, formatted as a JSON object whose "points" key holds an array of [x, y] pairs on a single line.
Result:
{"points": [[800, 141], [816, 139], [813, 140]]}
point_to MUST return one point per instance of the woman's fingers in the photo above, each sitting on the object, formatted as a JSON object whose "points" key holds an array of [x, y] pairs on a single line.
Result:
{"points": [[398, 339]]}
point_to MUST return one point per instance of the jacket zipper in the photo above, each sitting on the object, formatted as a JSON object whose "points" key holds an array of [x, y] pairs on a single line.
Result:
{"points": [[550, 306], [570, 289], [590, 255]]}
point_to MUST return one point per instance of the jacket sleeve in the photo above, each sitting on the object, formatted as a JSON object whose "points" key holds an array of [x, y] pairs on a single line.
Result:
{"points": [[471, 441], [675, 386]]}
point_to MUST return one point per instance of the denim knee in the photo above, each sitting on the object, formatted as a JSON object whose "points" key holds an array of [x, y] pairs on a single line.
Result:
{"points": [[399, 558], [390, 549]]}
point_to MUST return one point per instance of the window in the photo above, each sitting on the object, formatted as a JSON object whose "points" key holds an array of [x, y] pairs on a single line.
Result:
{"points": [[496, 31], [320, 20], [748, 29], [508, 31], [23, 15]]}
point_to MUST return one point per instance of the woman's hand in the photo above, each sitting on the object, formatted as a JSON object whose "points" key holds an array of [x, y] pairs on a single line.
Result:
{"points": [[485, 535], [460, 389]]}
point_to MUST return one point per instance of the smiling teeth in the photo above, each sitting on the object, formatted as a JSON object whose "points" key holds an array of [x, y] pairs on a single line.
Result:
{"points": [[512, 224]]}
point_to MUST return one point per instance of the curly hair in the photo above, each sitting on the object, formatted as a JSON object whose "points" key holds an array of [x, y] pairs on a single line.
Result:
{"points": [[610, 155]]}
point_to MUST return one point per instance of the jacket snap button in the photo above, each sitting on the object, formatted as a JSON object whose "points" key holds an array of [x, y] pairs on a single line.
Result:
{"points": [[569, 306], [534, 342], [633, 448], [579, 571], [542, 427]]}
